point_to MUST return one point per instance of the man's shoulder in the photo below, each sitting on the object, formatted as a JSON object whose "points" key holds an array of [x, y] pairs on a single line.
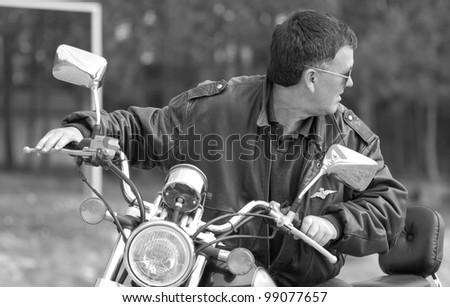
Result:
{"points": [[204, 89], [352, 121], [207, 88], [210, 88], [220, 94], [247, 80]]}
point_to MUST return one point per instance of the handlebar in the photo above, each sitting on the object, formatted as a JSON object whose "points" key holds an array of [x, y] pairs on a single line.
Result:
{"points": [[249, 207], [297, 233], [281, 220]]}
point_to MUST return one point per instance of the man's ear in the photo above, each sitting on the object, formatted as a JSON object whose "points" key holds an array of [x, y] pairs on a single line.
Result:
{"points": [[310, 79]]}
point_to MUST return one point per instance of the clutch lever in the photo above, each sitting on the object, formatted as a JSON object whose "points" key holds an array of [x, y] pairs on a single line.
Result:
{"points": [[85, 152], [87, 147]]}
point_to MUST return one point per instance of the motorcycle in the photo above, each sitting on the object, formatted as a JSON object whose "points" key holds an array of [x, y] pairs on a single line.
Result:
{"points": [[165, 243]]}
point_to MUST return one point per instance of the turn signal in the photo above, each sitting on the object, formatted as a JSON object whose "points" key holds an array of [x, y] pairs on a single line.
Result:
{"points": [[240, 261], [93, 210]]}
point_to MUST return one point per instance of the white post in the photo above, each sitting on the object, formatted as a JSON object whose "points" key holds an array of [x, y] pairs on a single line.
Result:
{"points": [[97, 48]]}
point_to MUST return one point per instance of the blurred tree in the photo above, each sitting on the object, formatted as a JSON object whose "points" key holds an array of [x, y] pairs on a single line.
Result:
{"points": [[157, 49], [399, 64], [5, 44], [422, 78], [29, 40]]}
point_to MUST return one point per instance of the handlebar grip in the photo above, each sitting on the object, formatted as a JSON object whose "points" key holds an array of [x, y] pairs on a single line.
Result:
{"points": [[330, 257]]}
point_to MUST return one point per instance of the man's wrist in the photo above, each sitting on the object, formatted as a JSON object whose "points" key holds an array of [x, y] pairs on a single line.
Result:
{"points": [[333, 218], [84, 132]]}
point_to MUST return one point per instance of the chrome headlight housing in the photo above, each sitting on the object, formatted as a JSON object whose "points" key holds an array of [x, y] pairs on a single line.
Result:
{"points": [[159, 254]]}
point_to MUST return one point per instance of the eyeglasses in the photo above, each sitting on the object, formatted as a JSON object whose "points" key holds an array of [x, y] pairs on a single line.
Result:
{"points": [[347, 77]]}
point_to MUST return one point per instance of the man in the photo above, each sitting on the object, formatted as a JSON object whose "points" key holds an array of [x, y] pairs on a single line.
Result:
{"points": [[263, 137]]}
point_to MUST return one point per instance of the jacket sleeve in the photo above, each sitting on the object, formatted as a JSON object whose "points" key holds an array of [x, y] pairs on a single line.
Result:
{"points": [[371, 220], [148, 136]]}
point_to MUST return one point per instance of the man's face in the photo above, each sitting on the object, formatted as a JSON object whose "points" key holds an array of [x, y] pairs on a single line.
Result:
{"points": [[331, 81]]}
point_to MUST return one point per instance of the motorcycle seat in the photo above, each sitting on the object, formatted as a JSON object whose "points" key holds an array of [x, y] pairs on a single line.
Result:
{"points": [[416, 255]]}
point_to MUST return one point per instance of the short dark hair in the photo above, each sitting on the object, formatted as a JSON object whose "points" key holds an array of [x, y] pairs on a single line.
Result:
{"points": [[306, 37]]}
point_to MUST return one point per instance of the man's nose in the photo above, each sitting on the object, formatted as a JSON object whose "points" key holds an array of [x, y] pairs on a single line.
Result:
{"points": [[349, 82]]}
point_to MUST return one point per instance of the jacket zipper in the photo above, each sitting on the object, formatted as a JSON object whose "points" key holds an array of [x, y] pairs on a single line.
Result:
{"points": [[277, 258], [271, 263], [269, 171]]}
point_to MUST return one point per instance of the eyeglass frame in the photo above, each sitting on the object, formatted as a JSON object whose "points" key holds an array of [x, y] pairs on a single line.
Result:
{"points": [[331, 72]]}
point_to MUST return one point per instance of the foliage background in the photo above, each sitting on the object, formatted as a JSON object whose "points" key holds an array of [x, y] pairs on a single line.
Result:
{"points": [[157, 49]]}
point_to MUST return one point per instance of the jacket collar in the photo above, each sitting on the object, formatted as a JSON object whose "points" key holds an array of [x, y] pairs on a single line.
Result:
{"points": [[263, 120], [266, 113], [324, 130]]}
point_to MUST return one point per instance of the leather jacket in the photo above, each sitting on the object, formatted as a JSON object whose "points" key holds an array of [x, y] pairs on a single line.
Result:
{"points": [[221, 127]]}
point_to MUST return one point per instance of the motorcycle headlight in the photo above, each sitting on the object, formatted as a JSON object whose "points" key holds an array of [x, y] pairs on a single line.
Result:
{"points": [[159, 254]]}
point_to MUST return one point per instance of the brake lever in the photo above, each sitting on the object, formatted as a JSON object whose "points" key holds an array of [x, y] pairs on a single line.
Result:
{"points": [[283, 222], [300, 235]]}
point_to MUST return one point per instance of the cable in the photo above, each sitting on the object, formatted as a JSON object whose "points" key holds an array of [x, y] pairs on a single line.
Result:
{"points": [[108, 207], [202, 247], [245, 221], [229, 215], [225, 236], [131, 184]]}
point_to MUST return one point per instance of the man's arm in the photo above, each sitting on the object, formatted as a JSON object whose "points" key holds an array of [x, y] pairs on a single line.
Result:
{"points": [[372, 219], [146, 135]]}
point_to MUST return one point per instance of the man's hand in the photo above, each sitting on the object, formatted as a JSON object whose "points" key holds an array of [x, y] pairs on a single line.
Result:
{"points": [[58, 138], [319, 229]]}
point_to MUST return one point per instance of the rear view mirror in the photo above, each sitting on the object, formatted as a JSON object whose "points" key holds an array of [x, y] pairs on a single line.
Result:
{"points": [[79, 67], [349, 167], [83, 68], [346, 165]]}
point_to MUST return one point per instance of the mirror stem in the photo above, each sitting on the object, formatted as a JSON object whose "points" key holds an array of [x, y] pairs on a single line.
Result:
{"points": [[298, 201], [96, 104], [95, 131]]}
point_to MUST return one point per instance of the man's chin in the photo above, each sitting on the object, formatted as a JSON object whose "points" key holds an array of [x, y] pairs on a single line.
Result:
{"points": [[333, 108]]}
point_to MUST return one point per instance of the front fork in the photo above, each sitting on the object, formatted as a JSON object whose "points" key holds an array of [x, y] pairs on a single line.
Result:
{"points": [[197, 272], [115, 273]]}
